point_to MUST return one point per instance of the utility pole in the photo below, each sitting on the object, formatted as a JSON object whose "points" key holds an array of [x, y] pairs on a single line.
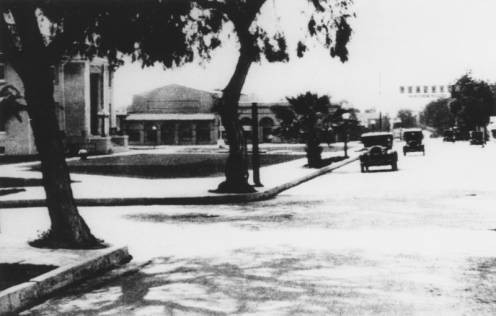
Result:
{"points": [[255, 157]]}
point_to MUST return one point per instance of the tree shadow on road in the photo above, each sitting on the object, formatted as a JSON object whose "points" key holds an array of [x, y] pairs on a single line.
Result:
{"points": [[250, 282]]}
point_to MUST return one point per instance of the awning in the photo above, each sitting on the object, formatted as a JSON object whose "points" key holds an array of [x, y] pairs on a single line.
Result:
{"points": [[170, 117]]}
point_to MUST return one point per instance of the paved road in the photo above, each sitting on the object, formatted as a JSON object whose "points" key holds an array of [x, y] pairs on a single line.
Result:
{"points": [[417, 241]]}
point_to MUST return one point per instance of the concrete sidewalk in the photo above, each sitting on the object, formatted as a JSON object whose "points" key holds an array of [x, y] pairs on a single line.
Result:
{"points": [[75, 265], [69, 265], [93, 190]]}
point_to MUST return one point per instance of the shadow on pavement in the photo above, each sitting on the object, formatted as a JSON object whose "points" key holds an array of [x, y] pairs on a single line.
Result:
{"points": [[282, 283]]}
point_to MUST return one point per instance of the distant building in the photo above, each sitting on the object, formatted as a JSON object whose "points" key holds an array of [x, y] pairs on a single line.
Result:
{"points": [[172, 115], [180, 115], [83, 97], [369, 118]]}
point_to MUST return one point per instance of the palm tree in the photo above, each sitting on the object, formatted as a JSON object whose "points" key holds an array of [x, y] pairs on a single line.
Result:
{"points": [[306, 116]]}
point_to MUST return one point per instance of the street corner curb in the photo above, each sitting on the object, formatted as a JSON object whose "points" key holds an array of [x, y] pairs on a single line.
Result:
{"points": [[190, 200], [283, 187], [23, 295]]}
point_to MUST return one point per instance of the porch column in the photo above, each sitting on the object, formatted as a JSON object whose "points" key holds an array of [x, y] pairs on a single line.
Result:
{"points": [[142, 134], [159, 133], [193, 133], [176, 133]]}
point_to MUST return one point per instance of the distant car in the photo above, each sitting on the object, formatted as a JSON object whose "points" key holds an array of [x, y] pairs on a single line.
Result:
{"points": [[379, 151], [449, 136], [476, 138], [413, 138]]}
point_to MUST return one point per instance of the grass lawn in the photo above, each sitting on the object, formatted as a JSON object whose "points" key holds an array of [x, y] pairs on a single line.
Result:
{"points": [[166, 165], [5, 160], [15, 273]]}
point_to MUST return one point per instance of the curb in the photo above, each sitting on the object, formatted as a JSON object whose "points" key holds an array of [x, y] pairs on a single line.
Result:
{"points": [[23, 295], [191, 200]]}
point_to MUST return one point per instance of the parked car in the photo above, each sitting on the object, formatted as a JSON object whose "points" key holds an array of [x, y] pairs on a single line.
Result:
{"points": [[379, 151], [476, 138], [449, 136], [413, 138]]}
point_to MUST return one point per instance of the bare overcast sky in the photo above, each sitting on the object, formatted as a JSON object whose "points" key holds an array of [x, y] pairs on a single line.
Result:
{"points": [[395, 42]]}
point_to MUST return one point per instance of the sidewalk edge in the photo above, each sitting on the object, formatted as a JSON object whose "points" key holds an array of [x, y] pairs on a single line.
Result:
{"points": [[190, 200], [20, 296]]}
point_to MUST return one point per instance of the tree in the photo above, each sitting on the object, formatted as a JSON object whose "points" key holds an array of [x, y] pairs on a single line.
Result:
{"points": [[327, 22], [35, 35], [344, 122], [471, 104], [437, 115], [407, 118], [26, 50], [201, 33], [307, 117]]}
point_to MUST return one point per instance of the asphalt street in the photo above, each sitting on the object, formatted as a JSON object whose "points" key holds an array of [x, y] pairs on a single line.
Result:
{"points": [[421, 240]]}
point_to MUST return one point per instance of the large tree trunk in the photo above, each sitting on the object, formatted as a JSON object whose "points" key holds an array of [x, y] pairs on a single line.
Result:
{"points": [[237, 161], [68, 229]]}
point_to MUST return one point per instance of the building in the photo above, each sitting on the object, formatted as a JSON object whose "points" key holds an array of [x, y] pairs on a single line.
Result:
{"points": [[83, 97], [172, 115], [179, 115]]}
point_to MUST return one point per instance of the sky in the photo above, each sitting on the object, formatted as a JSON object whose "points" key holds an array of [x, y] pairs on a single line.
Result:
{"points": [[395, 43]]}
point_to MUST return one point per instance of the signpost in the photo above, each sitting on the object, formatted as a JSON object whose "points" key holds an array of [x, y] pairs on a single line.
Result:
{"points": [[255, 160]]}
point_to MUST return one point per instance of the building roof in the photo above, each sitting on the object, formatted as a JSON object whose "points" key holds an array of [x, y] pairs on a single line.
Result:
{"points": [[173, 89], [170, 117], [173, 98]]}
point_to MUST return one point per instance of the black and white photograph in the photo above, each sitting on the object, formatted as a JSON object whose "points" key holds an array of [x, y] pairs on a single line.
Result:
{"points": [[247, 157]]}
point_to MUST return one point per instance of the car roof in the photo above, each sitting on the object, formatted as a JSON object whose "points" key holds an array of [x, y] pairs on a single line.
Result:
{"points": [[371, 134], [412, 130]]}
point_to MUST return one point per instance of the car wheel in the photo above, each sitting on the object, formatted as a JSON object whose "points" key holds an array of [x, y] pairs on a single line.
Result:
{"points": [[394, 166], [362, 168]]}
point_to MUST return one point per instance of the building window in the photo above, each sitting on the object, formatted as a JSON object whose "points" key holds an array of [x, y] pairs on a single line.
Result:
{"points": [[417, 89], [441, 89], [410, 89], [434, 90], [402, 89], [203, 132], [426, 89]]}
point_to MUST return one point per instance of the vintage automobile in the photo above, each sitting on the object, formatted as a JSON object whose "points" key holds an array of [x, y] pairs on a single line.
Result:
{"points": [[449, 136], [476, 138], [378, 146], [413, 138]]}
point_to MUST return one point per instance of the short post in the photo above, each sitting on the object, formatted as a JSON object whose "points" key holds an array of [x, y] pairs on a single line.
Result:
{"points": [[255, 160], [346, 120], [346, 142]]}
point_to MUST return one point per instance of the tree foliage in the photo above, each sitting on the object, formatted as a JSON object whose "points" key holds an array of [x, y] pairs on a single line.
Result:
{"points": [[172, 33], [313, 119], [407, 119], [472, 103], [437, 115]]}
